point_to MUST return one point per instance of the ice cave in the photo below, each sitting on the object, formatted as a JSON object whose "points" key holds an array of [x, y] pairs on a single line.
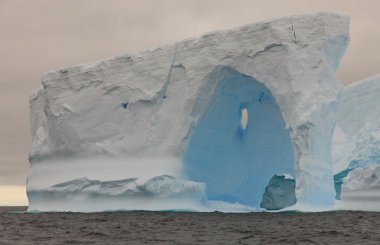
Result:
{"points": [[239, 143]]}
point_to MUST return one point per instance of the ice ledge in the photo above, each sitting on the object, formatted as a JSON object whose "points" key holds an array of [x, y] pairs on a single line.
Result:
{"points": [[163, 186]]}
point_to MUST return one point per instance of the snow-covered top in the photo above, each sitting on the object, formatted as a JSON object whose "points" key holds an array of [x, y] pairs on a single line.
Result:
{"points": [[277, 22]]}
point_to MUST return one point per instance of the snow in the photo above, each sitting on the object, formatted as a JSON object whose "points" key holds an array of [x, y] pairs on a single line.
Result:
{"points": [[147, 114]]}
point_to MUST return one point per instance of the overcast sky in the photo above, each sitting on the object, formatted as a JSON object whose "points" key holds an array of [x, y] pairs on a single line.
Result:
{"points": [[40, 35]]}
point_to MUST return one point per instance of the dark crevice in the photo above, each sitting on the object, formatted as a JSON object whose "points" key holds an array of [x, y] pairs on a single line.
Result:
{"points": [[163, 92], [124, 105], [260, 98]]}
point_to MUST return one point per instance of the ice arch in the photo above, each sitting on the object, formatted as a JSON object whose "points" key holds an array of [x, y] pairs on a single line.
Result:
{"points": [[236, 159]]}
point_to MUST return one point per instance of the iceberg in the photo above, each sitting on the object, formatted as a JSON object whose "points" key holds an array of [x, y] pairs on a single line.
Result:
{"points": [[356, 146], [357, 135], [225, 112]]}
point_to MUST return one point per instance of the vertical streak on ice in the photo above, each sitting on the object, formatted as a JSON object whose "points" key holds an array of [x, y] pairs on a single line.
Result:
{"points": [[294, 30], [166, 84], [161, 96]]}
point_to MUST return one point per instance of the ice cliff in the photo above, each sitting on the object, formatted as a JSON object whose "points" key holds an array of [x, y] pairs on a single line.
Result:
{"points": [[226, 111]]}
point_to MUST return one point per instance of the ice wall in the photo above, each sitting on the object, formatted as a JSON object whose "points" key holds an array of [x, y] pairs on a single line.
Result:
{"points": [[151, 105]]}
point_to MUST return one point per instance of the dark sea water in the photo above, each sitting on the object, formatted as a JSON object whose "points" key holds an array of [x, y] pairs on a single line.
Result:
{"points": [[140, 227]]}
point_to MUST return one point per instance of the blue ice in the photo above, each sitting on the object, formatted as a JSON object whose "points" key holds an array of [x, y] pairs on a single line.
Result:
{"points": [[338, 181], [236, 160]]}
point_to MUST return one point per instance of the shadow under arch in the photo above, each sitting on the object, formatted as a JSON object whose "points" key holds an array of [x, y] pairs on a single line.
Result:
{"points": [[236, 159]]}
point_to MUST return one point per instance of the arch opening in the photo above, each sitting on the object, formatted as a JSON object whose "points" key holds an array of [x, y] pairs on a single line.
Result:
{"points": [[244, 118], [239, 143]]}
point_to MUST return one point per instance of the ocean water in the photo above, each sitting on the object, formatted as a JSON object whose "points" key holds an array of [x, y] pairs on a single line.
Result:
{"points": [[143, 227]]}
